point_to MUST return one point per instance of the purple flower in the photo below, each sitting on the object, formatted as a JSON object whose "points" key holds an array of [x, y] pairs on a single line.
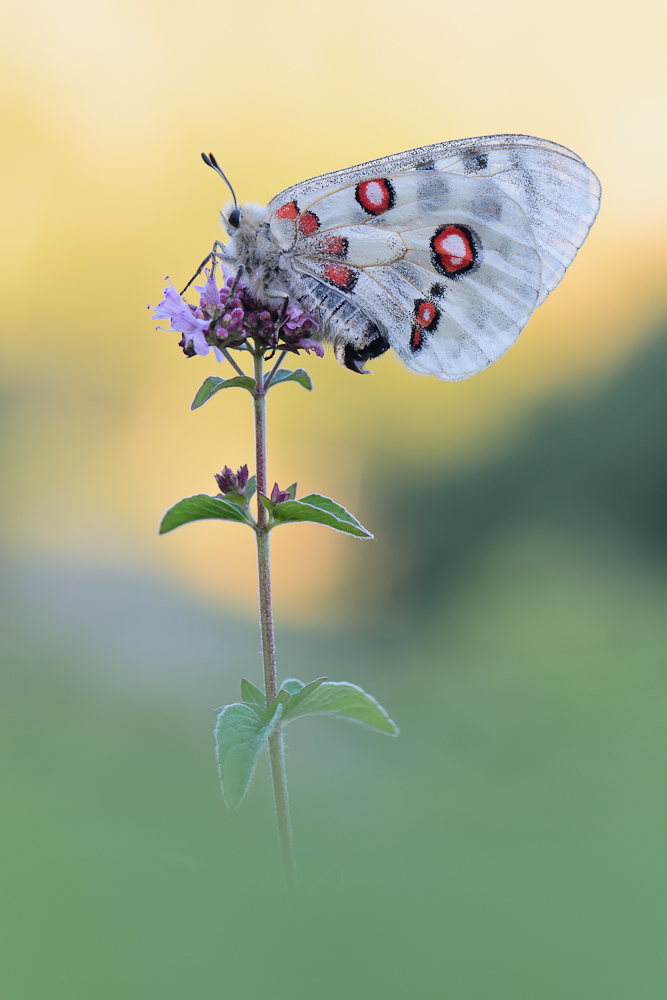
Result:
{"points": [[278, 495], [182, 317], [230, 482], [310, 345], [209, 293], [294, 332]]}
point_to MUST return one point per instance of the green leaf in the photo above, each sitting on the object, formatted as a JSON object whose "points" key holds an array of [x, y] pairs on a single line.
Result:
{"points": [[281, 699], [326, 503], [251, 694], [250, 488], [259, 710], [320, 510], [292, 685], [291, 490], [265, 502], [200, 507], [239, 736], [300, 696], [211, 385], [285, 375], [345, 700], [238, 498]]}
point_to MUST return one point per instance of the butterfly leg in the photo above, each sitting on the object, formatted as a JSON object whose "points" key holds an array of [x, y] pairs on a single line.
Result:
{"points": [[197, 272], [217, 253], [232, 290], [278, 325]]}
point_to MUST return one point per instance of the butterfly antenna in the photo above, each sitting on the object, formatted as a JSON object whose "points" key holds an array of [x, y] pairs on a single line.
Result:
{"points": [[210, 161]]}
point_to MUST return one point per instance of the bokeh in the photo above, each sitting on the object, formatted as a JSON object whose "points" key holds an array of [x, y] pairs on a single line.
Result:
{"points": [[510, 614]]}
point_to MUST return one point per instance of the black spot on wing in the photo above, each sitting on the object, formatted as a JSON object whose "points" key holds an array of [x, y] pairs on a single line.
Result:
{"points": [[474, 164]]}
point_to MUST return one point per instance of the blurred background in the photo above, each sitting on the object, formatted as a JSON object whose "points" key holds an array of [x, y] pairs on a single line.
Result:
{"points": [[510, 614]]}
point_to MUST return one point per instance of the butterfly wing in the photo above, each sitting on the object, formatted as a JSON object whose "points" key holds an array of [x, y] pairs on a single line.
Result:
{"points": [[443, 252]]}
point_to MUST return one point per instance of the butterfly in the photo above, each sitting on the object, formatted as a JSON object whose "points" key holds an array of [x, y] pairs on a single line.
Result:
{"points": [[440, 253]]}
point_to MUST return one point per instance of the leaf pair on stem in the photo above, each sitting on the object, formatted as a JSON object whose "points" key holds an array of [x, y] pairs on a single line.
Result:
{"points": [[313, 507], [243, 729]]}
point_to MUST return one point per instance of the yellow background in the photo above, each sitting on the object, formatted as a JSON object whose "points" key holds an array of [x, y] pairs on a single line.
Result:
{"points": [[106, 106]]}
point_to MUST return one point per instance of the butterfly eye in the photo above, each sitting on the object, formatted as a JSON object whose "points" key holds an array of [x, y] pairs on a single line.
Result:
{"points": [[234, 218]]}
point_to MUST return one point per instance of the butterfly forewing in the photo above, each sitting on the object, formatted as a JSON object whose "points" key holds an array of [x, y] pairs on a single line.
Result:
{"points": [[559, 195]]}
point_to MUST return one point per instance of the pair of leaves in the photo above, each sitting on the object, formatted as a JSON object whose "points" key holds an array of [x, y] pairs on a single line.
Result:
{"points": [[314, 508], [243, 729], [211, 385]]}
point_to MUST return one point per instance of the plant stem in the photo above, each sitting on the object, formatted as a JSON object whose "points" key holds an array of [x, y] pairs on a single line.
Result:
{"points": [[269, 377], [276, 747], [233, 363]]}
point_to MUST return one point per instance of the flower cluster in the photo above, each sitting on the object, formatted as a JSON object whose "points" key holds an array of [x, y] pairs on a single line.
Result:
{"points": [[227, 316]]}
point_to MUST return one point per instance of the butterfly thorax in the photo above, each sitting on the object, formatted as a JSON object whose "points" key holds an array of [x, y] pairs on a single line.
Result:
{"points": [[253, 247]]}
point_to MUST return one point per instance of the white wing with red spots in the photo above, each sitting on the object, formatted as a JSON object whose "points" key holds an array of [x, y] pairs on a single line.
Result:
{"points": [[443, 252]]}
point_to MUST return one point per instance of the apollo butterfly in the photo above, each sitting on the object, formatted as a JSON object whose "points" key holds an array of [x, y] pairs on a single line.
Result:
{"points": [[441, 253]]}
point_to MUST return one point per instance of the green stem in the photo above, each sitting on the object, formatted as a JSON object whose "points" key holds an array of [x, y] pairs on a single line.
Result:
{"points": [[237, 368], [276, 748], [269, 377]]}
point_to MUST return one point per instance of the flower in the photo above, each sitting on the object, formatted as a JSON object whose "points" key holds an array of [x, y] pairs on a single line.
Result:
{"points": [[230, 482], [294, 332], [184, 320], [210, 294], [278, 495], [219, 321]]}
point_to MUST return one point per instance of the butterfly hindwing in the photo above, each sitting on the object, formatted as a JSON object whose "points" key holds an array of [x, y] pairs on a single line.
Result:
{"points": [[427, 231]]}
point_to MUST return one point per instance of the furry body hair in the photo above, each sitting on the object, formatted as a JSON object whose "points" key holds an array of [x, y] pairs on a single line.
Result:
{"points": [[273, 273]]}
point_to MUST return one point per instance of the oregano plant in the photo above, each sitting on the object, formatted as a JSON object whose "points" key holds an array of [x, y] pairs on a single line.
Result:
{"points": [[254, 340]]}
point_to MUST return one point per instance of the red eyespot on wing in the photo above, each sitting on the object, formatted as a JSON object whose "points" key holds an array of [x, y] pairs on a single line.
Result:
{"points": [[416, 338], [340, 276], [331, 246], [288, 211], [309, 224], [453, 249], [336, 246], [375, 197], [427, 316]]}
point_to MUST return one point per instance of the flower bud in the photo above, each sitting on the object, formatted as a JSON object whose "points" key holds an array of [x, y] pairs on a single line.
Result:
{"points": [[230, 482], [278, 495]]}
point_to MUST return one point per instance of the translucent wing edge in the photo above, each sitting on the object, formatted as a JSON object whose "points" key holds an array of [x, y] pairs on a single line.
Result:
{"points": [[456, 149]]}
